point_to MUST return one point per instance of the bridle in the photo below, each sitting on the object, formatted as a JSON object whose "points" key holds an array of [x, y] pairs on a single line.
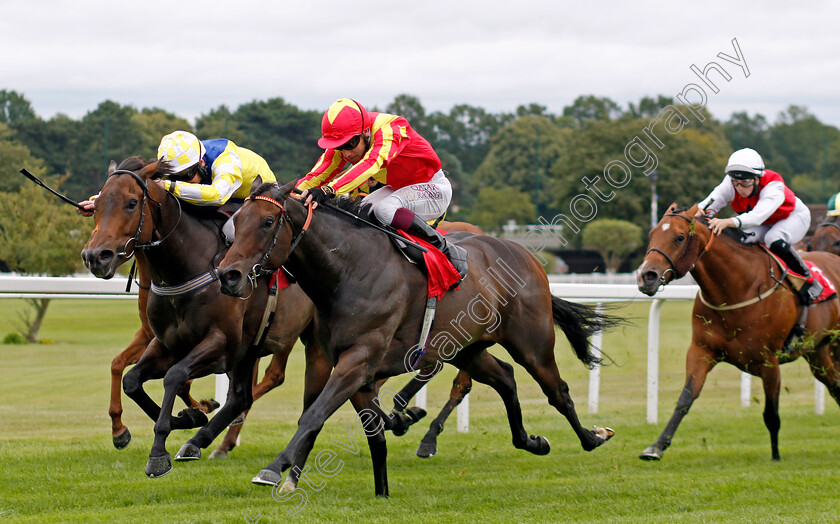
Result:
{"points": [[259, 269], [681, 267], [832, 224], [145, 187]]}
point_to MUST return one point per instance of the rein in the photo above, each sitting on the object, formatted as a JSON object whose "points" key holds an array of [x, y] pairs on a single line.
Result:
{"points": [[692, 245]]}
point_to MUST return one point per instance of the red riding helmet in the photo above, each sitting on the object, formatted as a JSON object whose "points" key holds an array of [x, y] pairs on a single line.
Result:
{"points": [[344, 119]]}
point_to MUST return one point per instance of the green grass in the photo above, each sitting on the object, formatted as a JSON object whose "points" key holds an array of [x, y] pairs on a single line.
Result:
{"points": [[58, 463]]}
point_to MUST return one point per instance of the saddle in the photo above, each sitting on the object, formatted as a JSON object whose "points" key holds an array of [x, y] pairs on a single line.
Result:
{"points": [[797, 281]]}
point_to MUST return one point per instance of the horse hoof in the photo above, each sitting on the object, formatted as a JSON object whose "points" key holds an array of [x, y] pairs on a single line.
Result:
{"points": [[415, 413], [603, 433], [651, 453], [158, 466], [188, 452], [266, 477], [538, 445], [122, 440], [209, 405], [427, 450], [218, 454], [238, 421], [192, 417]]}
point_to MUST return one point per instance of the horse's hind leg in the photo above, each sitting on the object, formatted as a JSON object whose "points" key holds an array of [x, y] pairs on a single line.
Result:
{"points": [[825, 366], [489, 370], [698, 363], [120, 434], [538, 359], [461, 386]]}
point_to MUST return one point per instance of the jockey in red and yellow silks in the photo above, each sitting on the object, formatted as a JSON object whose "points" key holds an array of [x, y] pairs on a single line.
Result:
{"points": [[385, 148], [767, 209]]}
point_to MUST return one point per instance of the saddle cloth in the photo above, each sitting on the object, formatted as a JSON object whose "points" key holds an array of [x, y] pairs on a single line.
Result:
{"points": [[797, 281], [440, 272]]}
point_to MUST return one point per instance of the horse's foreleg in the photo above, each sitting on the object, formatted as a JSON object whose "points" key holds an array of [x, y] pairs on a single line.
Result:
{"points": [[240, 398], [348, 376], [461, 387], [130, 355], [771, 380], [698, 363], [826, 368], [373, 425], [153, 364], [416, 383]]}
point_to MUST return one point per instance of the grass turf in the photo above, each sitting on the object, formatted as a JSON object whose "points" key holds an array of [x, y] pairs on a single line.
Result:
{"points": [[58, 463]]}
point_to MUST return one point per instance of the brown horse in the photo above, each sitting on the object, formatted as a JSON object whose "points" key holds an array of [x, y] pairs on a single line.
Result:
{"points": [[198, 331], [826, 238], [743, 315], [120, 435], [369, 321]]}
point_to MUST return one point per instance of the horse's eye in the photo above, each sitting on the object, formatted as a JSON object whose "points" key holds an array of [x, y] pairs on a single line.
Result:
{"points": [[131, 205], [679, 239], [268, 222]]}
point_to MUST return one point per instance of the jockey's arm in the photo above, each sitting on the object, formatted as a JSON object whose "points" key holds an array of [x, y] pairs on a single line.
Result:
{"points": [[226, 173]]}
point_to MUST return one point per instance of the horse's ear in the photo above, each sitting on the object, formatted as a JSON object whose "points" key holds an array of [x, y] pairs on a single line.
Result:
{"points": [[673, 207], [257, 183], [693, 210], [112, 167]]}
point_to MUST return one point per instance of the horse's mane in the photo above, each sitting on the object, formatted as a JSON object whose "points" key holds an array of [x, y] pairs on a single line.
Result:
{"points": [[352, 205]]}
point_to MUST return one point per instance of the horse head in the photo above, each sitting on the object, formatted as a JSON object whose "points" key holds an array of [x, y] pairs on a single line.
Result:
{"points": [[268, 241], [826, 238], [123, 221], [675, 247]]}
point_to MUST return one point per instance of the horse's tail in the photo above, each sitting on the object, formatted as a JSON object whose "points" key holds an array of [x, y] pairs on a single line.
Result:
{"points": [[579, 322]]}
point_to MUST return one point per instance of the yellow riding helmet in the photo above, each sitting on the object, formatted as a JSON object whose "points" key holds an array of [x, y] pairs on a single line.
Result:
{"points": [[834, 205], [181, 150]]}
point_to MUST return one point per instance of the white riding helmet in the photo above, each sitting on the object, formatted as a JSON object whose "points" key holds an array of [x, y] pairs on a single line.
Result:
{"points": [[181, 150], [745, 163]]}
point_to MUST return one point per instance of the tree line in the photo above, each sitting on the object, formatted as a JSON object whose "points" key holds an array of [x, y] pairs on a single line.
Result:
{"points": [[528, 166]]}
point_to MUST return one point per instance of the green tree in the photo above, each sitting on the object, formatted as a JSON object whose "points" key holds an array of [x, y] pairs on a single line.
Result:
{"points": [[496, 206], [39, 235], [592, 108], [410, 108], [520, 156], [13, 157], [151, 125], [613, 239]]}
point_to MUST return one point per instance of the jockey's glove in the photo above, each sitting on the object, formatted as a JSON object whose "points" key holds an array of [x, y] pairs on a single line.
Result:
{"points": [[320, 194]]}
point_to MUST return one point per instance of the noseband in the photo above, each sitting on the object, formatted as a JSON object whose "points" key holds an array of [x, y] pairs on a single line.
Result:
{"points": [[681, 267], [145, 187]]}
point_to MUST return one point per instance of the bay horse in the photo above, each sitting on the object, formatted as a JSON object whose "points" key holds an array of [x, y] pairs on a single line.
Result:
{"points": [[743, 314], [370, 303], [198, 331], [120, 435], [826, 238]]}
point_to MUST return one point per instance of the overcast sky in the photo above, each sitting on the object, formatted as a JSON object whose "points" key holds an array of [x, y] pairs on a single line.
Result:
{"points": [[191, 57]]}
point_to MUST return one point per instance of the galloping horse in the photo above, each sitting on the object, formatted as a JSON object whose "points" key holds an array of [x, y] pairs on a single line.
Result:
{"points": [[120, 435], [369, 321], [743, 314], [826, 238], [198, 331]]}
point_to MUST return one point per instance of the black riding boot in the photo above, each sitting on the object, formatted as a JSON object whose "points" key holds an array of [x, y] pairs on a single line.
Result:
{"points": [[456, 254], [811, 289]]}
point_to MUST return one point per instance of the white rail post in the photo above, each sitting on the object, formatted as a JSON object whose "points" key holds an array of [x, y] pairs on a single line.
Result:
{"points": [[420, 398], [221, 389], [595, 372], [819, 397], [464, 415], [745, 389], [653, 361]]}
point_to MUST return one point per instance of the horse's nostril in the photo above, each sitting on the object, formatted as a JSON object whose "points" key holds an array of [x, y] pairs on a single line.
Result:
{"points": [[232, 277], [650, 276]]}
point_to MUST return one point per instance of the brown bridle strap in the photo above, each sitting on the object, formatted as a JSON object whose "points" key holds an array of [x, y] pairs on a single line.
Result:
{"points": [[267, 199], [258, 269], [679, 271]]}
